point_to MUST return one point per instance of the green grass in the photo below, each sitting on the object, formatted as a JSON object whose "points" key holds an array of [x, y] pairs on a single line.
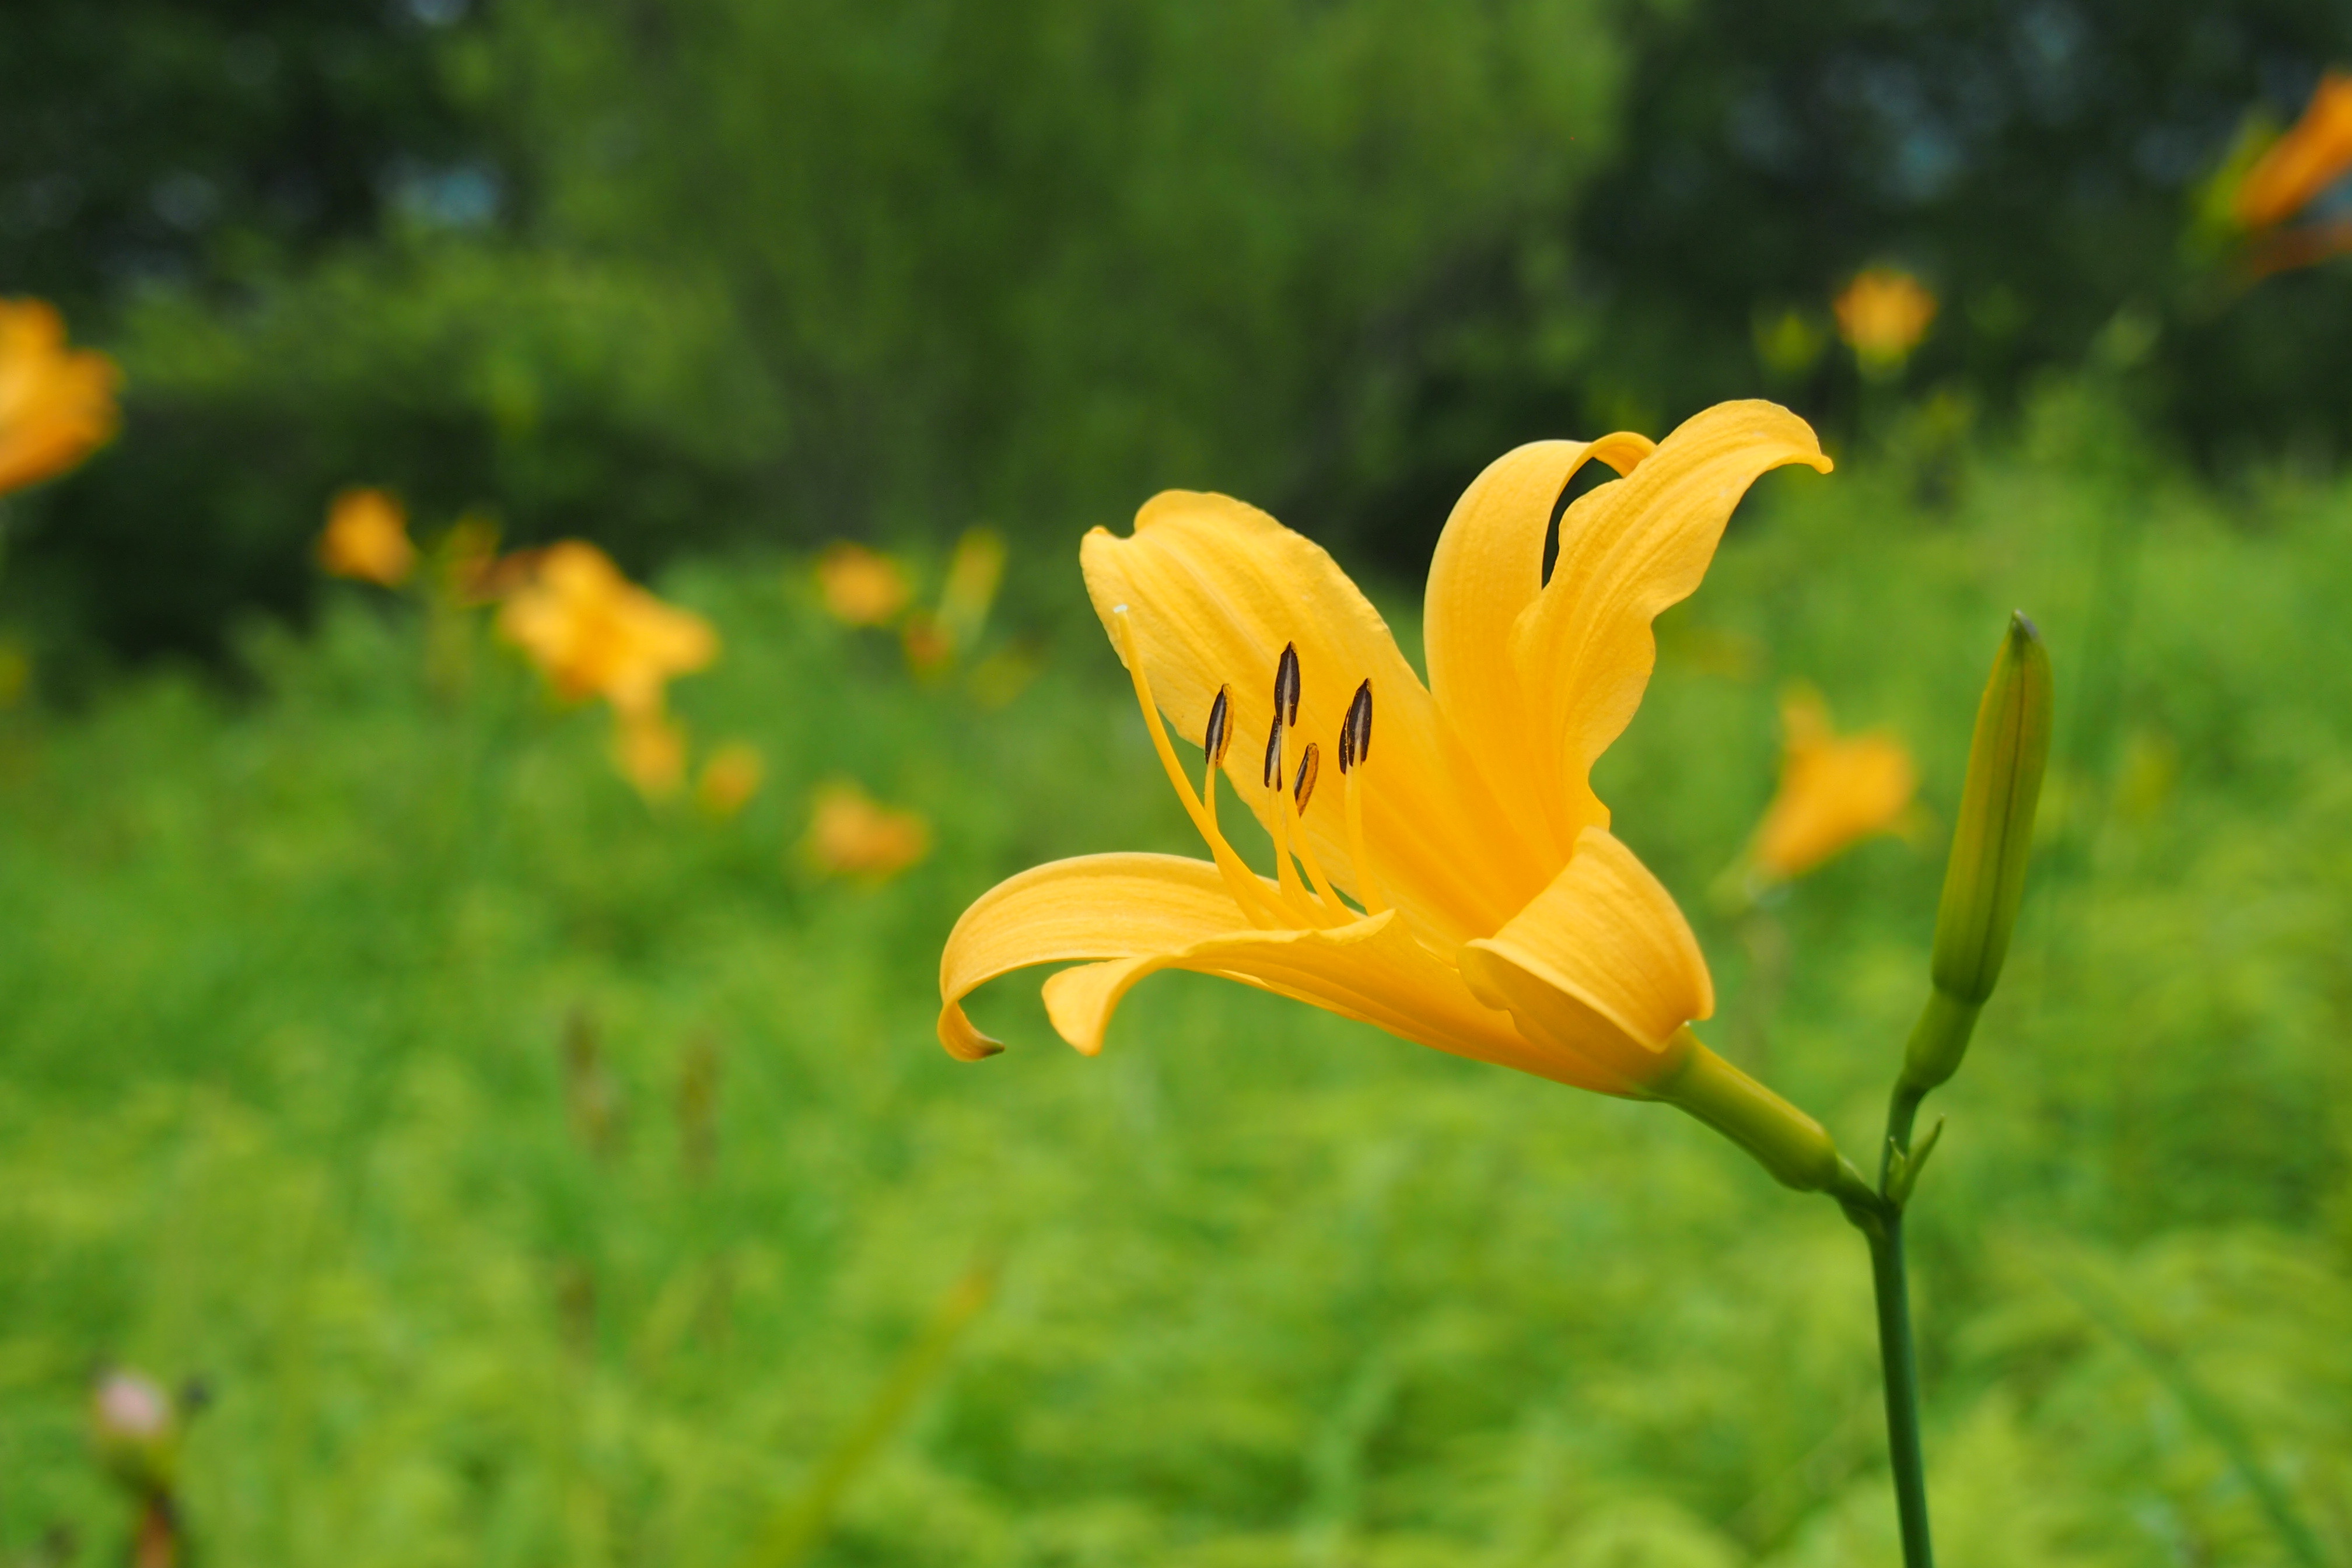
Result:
{"points": [[287, 974]]}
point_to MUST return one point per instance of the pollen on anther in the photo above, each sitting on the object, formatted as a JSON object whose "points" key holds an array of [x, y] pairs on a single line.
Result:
{"points": [[1286, 686], [1310, 761], [1274, 756], [1220, 733], [1356, 734]]}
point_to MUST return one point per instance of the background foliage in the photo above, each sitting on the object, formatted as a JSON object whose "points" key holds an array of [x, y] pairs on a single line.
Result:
{"points": [[537, 1177], [287, 1106], [668, 275]]}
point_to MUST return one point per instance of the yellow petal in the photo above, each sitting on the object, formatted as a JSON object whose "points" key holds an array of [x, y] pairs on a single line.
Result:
{"points": [[1834, 792], [56, 405], [1216, 590], [1584, 649], [1487, 568], [2306, 161], [1370, 970], [1096, 905], [1143, 913], [1601, 968]]}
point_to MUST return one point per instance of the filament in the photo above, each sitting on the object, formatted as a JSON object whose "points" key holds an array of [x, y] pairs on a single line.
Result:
{"points": [[1368, 887], [1294, 892], [1240, 880]]}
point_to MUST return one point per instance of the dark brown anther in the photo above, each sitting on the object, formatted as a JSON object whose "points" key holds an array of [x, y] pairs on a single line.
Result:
{"points": [[1356, 734], [1274, 756], [1286, 686], [1304, 790], [1220, 733]]}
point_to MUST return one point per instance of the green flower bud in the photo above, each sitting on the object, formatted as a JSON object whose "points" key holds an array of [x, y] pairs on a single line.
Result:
{"points": [[1991, 844]]}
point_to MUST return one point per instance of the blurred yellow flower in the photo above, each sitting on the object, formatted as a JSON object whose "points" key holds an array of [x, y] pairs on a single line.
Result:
{"points": [[651, 752], [861, 587], [57, 405], [1495, 916], [1836, 791], [366, 538], [1882, 316], [850, 835], [594, 633], [2304, 161], [730, 777]]}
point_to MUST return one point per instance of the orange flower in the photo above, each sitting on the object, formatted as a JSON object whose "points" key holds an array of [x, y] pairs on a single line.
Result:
{"points": [[861, 587], [1455, 884], [366, 537], [850, 835], [729, 779], [1836, 791], [651, 752], [596, 634], [2304, 161], [1881, 315], [57, 406]]}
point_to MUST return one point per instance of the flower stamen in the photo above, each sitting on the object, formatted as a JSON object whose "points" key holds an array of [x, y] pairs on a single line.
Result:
{"points": [[1303, 791], [1215, 741], [1285, 713], [1355, 746], [1240, 880]]}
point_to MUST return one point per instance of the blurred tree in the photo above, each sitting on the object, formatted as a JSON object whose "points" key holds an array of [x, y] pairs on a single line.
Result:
{"points": [[2033, 160], [653, 273], [149, 141], [1037, 258], [663, 274]]}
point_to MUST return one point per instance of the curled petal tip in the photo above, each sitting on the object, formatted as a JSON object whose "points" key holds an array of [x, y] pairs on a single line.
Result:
{"points": [[964, 1042]]}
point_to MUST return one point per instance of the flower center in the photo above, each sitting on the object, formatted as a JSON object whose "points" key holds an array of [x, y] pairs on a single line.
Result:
{"points": [[1292, 902]]}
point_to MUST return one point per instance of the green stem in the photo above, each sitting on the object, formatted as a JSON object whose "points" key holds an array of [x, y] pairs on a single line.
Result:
{"points": [[1901, 1369], [1902, 1112]]}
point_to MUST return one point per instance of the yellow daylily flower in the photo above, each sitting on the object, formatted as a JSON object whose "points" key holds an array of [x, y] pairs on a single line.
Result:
{"points": [[1460, 884], [366, 538], [852, 835], [57, 405], [1882, 316], [1836, 791], [2304, 161], [650, 749], [596, 634], [730, 777], [861, 587]]}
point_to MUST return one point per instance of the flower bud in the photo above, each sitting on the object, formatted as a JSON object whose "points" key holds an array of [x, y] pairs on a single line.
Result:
{"points": [[134, 1426], [1991, 844]]}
